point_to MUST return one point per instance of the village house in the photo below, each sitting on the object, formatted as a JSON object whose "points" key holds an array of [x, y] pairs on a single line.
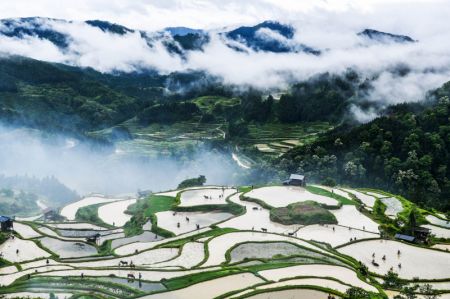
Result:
{"points": [[6, 223], [295, 180]]}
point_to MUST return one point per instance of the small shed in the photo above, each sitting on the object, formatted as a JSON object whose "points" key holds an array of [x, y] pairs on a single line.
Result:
{"points": [[94, 238], [6, 223], [422, 234], [296, 180], [51, 215], [405, 238]]}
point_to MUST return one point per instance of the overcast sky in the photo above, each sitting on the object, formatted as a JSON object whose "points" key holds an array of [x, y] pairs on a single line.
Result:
{"points": [[157, 14]]}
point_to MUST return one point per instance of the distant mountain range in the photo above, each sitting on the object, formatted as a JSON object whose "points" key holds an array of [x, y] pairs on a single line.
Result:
{"points": [[268, 36]]}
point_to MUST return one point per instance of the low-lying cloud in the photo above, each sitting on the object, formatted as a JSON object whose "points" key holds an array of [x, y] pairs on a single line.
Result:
{"points": [[86, 170], [333, 31]]}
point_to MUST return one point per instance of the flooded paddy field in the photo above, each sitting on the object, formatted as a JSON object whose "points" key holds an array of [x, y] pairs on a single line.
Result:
{"points": [[281, 196], [415, 261], [341, 273], [198, 197], [256, 217], [67, 249], [183, 222], [333, 234], [229, 255], [26, 231], [70, 210], [368, 200], [16, 250], [349, 216], [144, 237], [291, 294], [114, 213]]}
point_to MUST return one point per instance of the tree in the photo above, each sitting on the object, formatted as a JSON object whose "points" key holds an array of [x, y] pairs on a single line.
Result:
{"points": [[412, 220], [193, 182], [392, 281], [357, 293], [329, 182], [428, 292]]}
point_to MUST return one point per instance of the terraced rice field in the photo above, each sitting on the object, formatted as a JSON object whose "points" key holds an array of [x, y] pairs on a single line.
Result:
{"points": [[281, 196], [393, 206], [200, 197], [335, 190], [334, 235], [256, 250], [219, 245], [212, 288], [341, 273], [191, 255], [291, 294], [76, 225], [114, 213], [144, 237], [26, 231], [229, 256], [349, 216], [368, 200], [17, 250], [415, 261], [70, 210], [320, 282], [183, 222], [256, 218], [275, 139], [438, 221], [439, 232], [66, 249]]}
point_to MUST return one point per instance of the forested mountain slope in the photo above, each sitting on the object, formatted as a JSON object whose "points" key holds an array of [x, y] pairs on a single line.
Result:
{"points": [[406, 150]]}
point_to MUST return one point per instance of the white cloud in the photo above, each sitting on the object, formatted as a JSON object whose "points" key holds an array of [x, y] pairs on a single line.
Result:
{"points": [[327, 25]]}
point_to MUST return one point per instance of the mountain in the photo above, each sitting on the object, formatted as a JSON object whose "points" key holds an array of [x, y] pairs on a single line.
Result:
{"points": [[269, 36], [34, 27], [182, 31], [405, 150], [109, 27], [385, 37], [58, 97]]}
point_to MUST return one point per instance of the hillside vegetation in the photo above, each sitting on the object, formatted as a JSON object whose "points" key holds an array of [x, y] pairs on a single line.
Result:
{"points": [[405, 151]]}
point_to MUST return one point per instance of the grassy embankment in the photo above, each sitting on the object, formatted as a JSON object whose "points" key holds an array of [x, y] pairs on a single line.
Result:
{"points": [[305, 213]]}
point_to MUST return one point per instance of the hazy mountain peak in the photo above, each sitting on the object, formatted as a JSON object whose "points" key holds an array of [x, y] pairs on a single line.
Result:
{"points": [[381, 36]]}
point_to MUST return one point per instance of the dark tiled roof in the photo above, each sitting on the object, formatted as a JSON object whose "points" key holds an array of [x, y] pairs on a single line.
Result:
{"points": [[5, 218], [404, 237]]}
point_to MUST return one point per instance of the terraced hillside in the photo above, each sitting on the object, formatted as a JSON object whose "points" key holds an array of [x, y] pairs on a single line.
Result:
{"points": [[220, 242]]}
